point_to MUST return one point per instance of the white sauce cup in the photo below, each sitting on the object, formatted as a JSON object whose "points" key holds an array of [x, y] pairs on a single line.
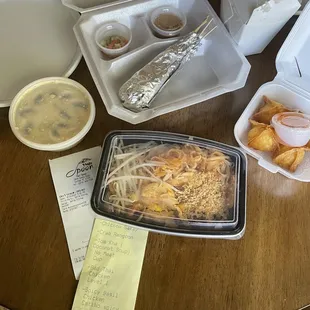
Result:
{"points": [[292, 128]]}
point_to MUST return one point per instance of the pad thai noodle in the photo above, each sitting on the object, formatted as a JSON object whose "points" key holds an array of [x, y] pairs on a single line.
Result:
{"points": [[184, 182]]}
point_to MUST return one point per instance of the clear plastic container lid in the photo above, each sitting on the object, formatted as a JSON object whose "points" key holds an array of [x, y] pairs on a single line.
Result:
{"points": [[170, 182]]}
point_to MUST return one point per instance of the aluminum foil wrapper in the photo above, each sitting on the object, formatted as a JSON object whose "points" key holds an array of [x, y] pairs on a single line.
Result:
{"points": [[140, 90]]}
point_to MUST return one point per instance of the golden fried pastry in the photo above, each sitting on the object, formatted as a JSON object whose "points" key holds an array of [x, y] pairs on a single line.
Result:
{"points": [[262, 137], [268, 110], [289, 157]]}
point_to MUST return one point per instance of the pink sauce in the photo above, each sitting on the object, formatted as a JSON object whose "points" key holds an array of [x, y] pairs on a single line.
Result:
{"points": [[294, 120]]}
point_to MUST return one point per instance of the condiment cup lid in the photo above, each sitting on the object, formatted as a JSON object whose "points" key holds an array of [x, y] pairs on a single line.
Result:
{"points": [[167, 10], [111, 29]]}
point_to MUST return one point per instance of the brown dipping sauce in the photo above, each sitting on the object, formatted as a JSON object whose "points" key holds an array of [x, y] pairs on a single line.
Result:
{"points": [[167, 21]]}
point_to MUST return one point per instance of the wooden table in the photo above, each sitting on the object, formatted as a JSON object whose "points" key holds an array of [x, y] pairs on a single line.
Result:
{"points": [[268, 269]]}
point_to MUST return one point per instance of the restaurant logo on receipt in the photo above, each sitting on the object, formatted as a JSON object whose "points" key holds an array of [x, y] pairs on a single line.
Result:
{"points": [[84, 165]]}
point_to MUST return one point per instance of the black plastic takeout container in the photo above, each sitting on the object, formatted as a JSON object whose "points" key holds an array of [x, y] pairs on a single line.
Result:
{"points": [[232, 226]]}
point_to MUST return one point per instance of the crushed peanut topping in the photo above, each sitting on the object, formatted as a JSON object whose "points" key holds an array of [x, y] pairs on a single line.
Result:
{"points": [[204, 196]]}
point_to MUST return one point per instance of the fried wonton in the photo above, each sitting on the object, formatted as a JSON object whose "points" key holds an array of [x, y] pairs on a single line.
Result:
{"points": [[268, 110], [289, 157], [262, 137]]}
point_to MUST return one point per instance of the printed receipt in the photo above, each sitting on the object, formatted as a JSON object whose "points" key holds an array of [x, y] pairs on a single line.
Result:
{"points": [[111, 272], [74, 177]]}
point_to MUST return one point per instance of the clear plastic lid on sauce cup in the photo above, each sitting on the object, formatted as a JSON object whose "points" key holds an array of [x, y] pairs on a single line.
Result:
{"points": [[172, 183], [293, 128], [113, 29], [167, 12]]}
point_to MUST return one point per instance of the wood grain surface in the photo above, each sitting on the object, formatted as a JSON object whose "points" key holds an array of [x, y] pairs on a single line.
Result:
{"points": [[268, 269]]}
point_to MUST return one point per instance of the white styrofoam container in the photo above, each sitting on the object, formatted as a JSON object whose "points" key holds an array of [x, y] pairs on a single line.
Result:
{"points": [[36, 41], [218, 66], [290, 87], [254, 23]]}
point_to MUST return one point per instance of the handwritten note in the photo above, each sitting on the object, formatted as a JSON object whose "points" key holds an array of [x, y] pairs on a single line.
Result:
{"points": [[74, 176], [111, 272]]}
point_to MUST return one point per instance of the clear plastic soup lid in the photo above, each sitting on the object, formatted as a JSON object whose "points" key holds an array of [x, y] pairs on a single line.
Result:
{"points": [[171, 182]]}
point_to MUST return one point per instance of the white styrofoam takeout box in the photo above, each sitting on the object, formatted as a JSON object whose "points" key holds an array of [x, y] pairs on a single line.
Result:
{"points": [[290, 87], [36, 41], [254, 23], [218, 66]]}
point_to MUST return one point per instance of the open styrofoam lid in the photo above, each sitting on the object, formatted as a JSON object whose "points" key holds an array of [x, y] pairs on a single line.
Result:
{"points": [[293, 58], [245, 8], [258, 11], [84, 6], [37, 40]]}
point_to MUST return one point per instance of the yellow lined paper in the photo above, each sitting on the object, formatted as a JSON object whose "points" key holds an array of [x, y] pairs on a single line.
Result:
{"points": [[111, 272]]}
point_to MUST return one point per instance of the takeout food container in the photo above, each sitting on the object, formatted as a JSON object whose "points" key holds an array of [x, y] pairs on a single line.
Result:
{"points": [[253, 24], [67, 144], [153, 180], [291, 87], [37, 41], [217, 67]]}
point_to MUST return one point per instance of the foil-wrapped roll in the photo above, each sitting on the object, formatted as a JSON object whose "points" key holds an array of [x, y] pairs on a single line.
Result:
{"points": [[141, 89]]}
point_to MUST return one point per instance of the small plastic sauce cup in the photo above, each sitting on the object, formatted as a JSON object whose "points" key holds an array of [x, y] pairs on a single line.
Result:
{"points": [[167, 10], [113, 29], [293, 128]]}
